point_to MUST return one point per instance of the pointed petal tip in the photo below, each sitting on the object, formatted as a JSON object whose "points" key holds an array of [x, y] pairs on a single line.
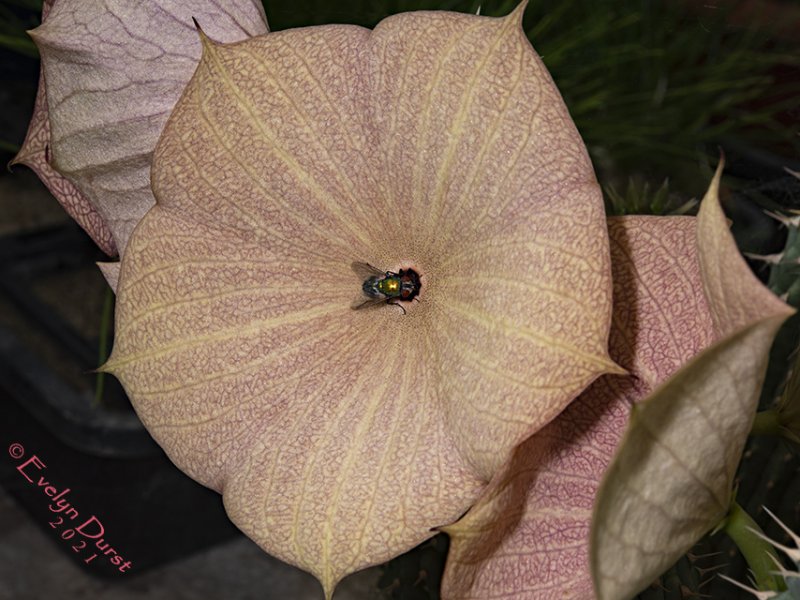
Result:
{"points": [[328, 587], [518, 12], [608, 367], [718, 172], [451, 530], [615, 369], [110, 366], [199, 29], [207, 43], [711, 212], [20, 158], [104, 368], [43, 36]]}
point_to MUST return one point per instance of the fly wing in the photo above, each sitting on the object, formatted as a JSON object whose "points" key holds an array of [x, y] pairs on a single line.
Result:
{"points": [[366, 302], [366, 270]]}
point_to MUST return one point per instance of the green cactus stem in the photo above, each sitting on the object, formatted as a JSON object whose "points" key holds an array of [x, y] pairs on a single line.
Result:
{"points": [[760, 555]]}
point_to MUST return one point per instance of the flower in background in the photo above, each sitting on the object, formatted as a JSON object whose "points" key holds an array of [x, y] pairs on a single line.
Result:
{"points": [[111, 74], [637, 469]]}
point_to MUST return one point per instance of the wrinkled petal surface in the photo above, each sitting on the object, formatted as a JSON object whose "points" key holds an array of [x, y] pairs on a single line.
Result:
{"points": [[672, 478], [340, 437], [112, 72], [35, 153], [528, 536], [679, 287]]}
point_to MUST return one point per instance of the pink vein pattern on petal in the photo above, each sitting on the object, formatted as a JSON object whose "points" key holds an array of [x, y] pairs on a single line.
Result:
{"points": [[486, 178], [672, 477], [339, 438], [528, 537], [35, 154], [113, 71]]}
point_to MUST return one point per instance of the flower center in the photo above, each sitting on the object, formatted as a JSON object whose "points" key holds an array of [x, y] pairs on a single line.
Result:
{"points": [[387, 286]]}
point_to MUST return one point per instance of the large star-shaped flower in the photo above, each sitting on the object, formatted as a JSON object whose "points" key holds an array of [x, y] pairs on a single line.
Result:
{"points": [[437, 142]]}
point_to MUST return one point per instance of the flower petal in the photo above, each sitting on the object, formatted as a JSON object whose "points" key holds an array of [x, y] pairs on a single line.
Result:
{"points": [[672, 477], [112, 73], [492, 188], [110, 271], [337, 436], [235, 337], [528, 537], [35, 153]]}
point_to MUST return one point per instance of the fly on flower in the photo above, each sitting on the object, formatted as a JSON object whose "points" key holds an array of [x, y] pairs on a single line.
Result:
{"points": [[386, 286]]}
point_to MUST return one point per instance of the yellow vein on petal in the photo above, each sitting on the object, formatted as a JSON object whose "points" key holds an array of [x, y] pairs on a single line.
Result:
{"points": [[184, 262], [298, 288], [477, 164], [362, 428], [352, 398], [256, 326], [603, 362], [150, 309], [483, 250], [467, 99], [475, 359], [247, 400], [560, 512], [422, 423], [425, 115], [344, 177], [299, 421], [365, 425], [243, 401], [228, 372], [200, 174], [410, 59], [477, 222], [329, 203], [398, 402], [264, 233], [230, 149], [526, 285], [198, 301], [269, 259], [535, 587], [421, 416]]}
